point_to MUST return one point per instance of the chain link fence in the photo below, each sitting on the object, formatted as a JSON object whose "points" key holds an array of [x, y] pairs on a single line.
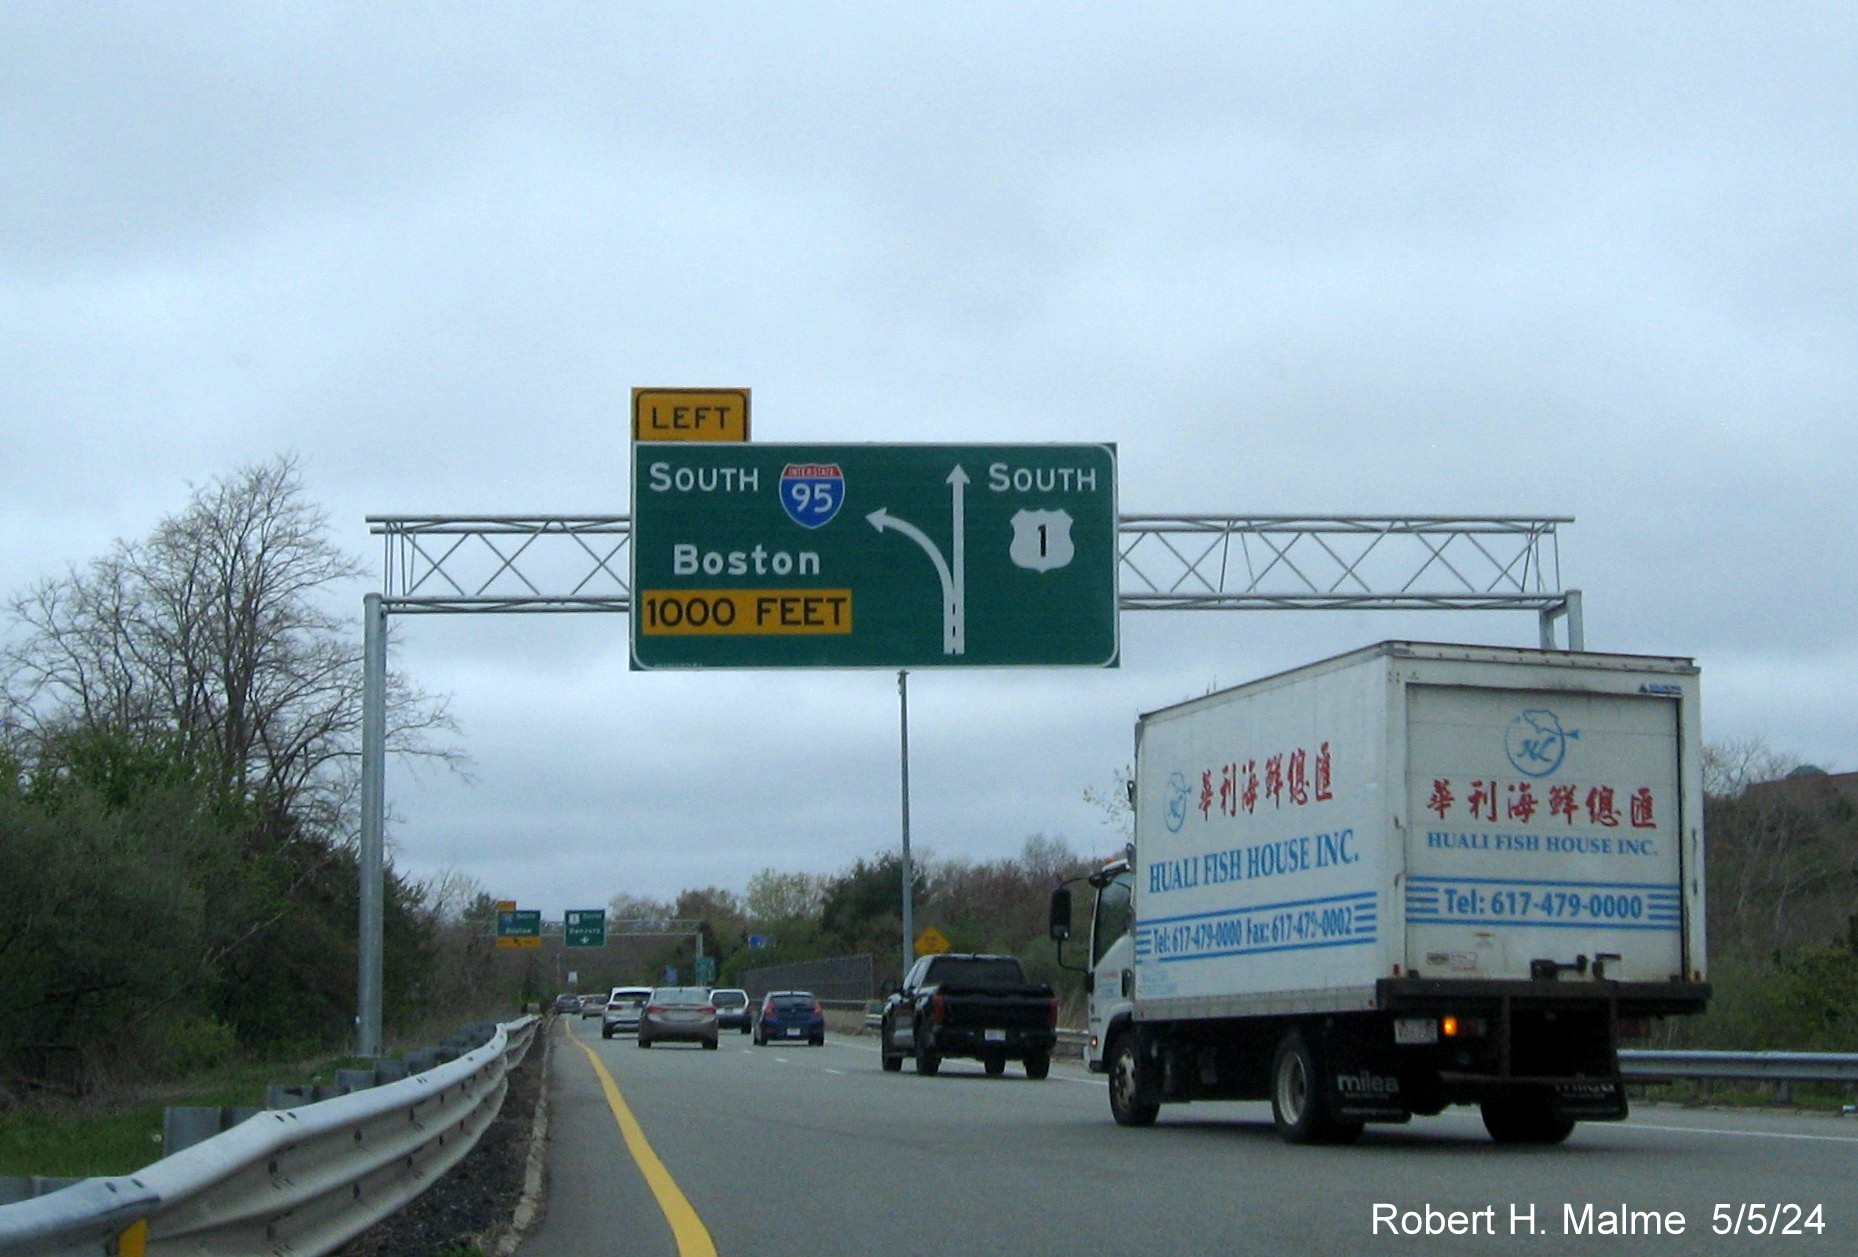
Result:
{"points": [[839, 980]]}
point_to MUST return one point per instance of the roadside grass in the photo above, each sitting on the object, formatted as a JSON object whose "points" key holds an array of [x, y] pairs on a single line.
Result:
{"points": [[1732, 1094], [96, 1138], [118, 1131]]}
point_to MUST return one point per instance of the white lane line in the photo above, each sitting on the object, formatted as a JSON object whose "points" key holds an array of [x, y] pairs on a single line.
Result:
{"points": [[1742, 1134]]}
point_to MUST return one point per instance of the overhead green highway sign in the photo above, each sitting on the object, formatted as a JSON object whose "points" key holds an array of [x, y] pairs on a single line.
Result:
{"points": [[584, 927], [868, 556], [519, 927]]}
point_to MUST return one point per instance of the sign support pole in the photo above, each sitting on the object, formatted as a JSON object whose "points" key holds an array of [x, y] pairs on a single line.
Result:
{"points": [[373, 800], [909, 875]]}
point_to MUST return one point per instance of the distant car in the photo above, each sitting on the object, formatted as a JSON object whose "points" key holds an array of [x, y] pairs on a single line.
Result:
{"points": [[592, 1006], [733, 1010], [790, 1015], [565, 1003], [678, 1013], [623, 1006]]}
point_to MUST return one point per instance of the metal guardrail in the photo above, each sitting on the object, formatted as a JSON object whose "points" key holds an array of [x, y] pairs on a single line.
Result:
{"points": [[1661, 1066], [1833, 1067], [300, 1181]]}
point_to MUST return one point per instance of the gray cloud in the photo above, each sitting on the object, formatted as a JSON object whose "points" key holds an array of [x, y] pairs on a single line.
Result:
{"points": [[1332, 258]]}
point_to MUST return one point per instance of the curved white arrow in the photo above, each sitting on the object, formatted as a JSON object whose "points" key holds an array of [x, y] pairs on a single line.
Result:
{"points": [[953, 634]]}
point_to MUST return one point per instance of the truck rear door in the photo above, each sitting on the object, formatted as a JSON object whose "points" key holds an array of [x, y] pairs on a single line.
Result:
{"points": [[1541, 827]]}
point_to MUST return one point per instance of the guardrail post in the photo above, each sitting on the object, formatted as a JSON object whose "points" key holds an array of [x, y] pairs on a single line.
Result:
{"points": [[282, 1096]]}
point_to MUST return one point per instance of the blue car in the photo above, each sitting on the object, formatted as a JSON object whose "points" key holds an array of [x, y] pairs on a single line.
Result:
{"points": [[790, 1015]]}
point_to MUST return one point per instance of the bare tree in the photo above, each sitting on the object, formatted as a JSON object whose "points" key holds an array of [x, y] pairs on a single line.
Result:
{"points": [[218, 630], [626, 906], [451, 895], [775, 896], [1783, 850], [1116, 802], [1731, 767], [1048, 861]]}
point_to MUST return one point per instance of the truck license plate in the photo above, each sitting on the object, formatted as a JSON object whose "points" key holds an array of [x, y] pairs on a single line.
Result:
{"points": [[995, 1036]]}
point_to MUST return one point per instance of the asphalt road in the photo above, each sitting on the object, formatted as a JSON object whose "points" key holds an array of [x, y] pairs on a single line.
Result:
{"points": [[788, 1149]]}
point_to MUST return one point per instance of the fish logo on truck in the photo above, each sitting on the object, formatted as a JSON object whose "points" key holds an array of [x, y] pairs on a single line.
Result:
{"points": [[1178, 794], [1536, 742]]}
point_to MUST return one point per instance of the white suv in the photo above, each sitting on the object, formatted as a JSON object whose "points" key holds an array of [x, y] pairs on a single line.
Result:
{"points": [[733, 1011], [623, 1008]]}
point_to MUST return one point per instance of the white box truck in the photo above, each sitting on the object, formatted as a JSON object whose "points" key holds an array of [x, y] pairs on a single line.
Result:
{"points": [[1410, 876]]}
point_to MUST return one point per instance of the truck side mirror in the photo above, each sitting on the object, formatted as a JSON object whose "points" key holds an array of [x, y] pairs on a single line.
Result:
{"points": [[1061, 914]]}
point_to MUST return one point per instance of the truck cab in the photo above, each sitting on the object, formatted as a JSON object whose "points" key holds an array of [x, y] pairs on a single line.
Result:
{"points": [[1110, 970]]}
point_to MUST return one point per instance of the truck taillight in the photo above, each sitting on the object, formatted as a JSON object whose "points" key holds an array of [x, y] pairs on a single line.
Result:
{"points": [[1452, 1026], [937, 1007], [1052, 1019]]}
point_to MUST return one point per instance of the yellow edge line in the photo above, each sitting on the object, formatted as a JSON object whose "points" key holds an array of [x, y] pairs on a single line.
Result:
{"points": [[693, 1238]]}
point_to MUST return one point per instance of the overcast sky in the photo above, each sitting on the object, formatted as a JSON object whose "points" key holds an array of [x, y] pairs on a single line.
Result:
{"points": [[1593, 260]]}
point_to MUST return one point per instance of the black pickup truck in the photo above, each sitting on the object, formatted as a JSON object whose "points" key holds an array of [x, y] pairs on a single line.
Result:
{"points": [[982, 1007]]}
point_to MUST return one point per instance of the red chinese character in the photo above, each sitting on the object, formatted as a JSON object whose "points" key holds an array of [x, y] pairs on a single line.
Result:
{"points": [[1641, 806], [1274, 780], [1324, 767], [1441, 800], [1298, 781], [1561, 802], [1600, 807], [1248, 797], [1522, 803], [1228, 789], [1206, 794], [1483, 800]]}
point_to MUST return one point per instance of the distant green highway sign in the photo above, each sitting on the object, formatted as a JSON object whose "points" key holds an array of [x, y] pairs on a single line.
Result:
{"points": [[584, 927], [519, 927], [867, 556]]}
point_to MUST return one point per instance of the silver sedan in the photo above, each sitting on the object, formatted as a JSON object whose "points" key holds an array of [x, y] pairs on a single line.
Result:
{"points": [[678, 1013]]}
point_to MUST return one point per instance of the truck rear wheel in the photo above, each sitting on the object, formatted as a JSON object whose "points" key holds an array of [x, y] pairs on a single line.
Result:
{"points": [[1525, 1117], [1124, 1106], [1038, 1065], [1300, 1096]]}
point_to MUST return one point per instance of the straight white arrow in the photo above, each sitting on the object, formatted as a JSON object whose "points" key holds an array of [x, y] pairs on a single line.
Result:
{"points": [[957, 486]]}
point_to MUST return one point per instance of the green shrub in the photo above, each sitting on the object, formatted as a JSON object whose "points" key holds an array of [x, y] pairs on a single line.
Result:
{"points": [[184, 1043], [1810, 1001]]}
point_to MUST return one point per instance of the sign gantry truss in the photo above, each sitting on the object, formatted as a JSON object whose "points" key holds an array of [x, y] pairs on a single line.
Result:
{"points": [[535, 563], [459, 563], [542, 563]]}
